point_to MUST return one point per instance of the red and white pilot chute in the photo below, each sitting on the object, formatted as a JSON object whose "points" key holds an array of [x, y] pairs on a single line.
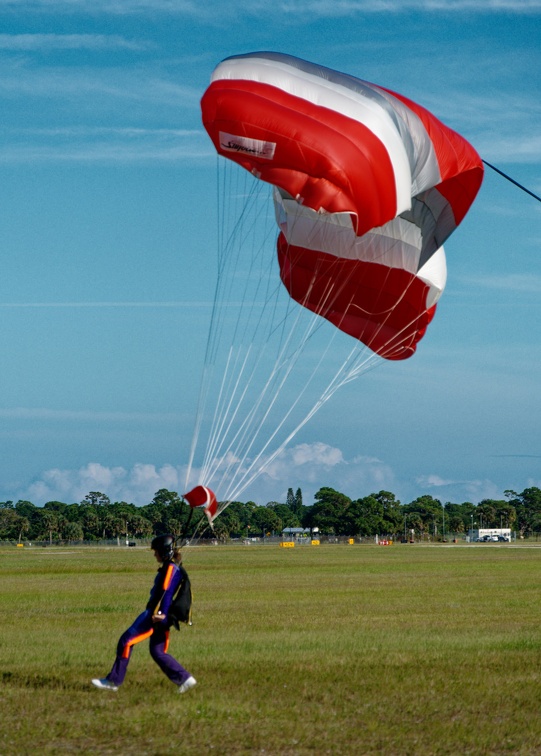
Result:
{"points": [[201, 496]]}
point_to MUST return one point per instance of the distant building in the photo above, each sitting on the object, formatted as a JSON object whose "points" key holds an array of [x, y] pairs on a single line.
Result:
{"points": [[296, 532], [490, 534]]}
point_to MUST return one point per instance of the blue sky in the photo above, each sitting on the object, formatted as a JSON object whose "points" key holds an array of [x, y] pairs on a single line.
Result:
{"points": [[108, 239]]}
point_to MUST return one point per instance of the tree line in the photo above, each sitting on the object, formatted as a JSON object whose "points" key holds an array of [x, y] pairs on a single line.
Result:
{"points": [[333, 513]]}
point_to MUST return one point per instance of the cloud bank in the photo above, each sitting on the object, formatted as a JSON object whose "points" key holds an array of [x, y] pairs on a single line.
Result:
{"points": [[212, 9], [45, 42], [305, 466]]}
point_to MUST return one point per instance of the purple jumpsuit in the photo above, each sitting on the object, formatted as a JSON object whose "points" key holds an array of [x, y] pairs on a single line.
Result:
{"points": [[164, 588]]}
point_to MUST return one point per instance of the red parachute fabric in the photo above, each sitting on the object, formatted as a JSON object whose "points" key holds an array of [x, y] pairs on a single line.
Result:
{"points": [[308, 276], [368, 186], [201, 496]]}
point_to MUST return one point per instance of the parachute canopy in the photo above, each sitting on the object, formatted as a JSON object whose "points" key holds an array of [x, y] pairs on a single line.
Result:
{"points": [[367, 187], [201, 496]]}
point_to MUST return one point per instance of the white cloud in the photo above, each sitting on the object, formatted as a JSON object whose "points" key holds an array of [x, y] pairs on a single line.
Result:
{"points": [[512, 282], [520, 148], [322, 8], [311, 466], [137, 485], [433, 481], [116, 85], [306, 466], [185, 304], [352, 7], [42, 414], [110, 152], [41, 42], [459, 490], [90, 144], [318, 454]]}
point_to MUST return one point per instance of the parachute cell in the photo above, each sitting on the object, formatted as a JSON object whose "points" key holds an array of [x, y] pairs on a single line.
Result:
{"points": [[367, 187]]}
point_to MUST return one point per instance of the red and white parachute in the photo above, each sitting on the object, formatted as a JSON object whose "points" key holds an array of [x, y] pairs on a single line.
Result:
{"points": [[368, 186], [201, 496]]}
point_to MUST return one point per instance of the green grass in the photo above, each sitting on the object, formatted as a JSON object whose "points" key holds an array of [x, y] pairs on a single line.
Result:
{"points": [[338, 649]]}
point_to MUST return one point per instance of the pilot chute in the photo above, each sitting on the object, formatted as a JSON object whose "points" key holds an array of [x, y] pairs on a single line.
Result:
{"points": [[203, 497]]}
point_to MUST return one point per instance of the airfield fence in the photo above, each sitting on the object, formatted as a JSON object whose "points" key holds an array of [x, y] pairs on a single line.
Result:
{"points": [[273, 540]]}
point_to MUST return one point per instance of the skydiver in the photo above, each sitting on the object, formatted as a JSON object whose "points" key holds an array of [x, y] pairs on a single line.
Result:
{"points": [[154, 623]]}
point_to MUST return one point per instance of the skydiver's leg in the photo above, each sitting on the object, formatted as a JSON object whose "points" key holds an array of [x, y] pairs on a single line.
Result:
{"points": [[159, 643], [139, 631]]}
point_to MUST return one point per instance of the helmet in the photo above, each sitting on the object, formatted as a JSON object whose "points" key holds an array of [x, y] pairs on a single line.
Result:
{"points": [[164, 545]]}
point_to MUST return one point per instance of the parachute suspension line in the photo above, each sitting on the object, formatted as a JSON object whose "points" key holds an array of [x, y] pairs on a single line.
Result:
{"points": [[361, 356], [385, 314], [270, 318], [407, 324], [353, 366], [214, 456], [262, 246], [225, 408], [217, 420], [255, 471], [512, 180], [251, 423], [230, 259], [228, 267], [316, 322], [205, 379], [273, 388], [227, 259], [260, 253], [251, 420], [216, 315]]}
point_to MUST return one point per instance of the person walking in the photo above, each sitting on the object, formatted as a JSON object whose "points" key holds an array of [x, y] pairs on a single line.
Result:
{"points": [[154, 623]]}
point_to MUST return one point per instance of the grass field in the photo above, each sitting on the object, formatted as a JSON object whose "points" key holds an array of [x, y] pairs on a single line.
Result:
{"points": [[339, 649]]}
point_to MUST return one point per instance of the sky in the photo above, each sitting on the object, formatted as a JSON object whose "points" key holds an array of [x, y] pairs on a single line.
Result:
{"points": [[108, 246]]}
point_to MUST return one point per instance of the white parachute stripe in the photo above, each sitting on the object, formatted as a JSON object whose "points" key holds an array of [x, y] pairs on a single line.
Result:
{"points": [[425, 170], [397, 244], [434, 274], [334, 234]]}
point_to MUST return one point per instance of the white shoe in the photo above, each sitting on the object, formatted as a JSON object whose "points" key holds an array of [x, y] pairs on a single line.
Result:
{"points": [[104, 684], [190, 682]]}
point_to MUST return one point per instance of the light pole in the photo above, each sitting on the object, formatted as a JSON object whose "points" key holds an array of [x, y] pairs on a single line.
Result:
{"points": [[442, 522]]}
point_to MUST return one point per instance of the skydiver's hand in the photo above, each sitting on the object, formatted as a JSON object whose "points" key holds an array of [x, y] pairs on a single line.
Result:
{"points": [[158, 617]]}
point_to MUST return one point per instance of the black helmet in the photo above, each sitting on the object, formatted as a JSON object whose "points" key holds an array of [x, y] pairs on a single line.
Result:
{"points": [[164, 545]]}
